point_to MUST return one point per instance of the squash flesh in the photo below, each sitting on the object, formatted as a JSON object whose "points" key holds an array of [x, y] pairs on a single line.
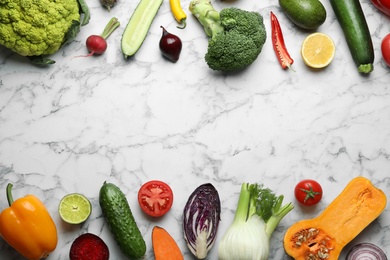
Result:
{"points": [[353, 210]]}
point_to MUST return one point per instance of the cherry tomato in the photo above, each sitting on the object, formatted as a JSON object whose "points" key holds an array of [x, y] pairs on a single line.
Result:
{"points": [[385, 46], [155, 198], [308, 192]]}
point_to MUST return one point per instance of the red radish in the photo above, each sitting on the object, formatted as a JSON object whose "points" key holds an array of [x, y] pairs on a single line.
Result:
{"points": [[89, 246], [97, 44]]}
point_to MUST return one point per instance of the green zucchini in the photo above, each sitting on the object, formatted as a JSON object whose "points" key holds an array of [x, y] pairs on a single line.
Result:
{"points": [[350, 15], [120, 220], [138, 26]]}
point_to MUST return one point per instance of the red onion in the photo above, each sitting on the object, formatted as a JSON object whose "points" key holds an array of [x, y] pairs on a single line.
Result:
{"points": [[170, 45], [108, 3], [366, 251]]}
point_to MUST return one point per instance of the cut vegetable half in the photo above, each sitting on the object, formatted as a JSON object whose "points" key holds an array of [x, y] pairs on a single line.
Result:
{"points": [[89, 246], [138, 26], [201, 216], [342, 220], [75, 208], [318, 50], [155, 198], [366, 251], [164, 245]]}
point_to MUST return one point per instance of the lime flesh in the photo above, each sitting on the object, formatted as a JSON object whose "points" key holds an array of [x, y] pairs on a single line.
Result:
{"points": [[75, 208]]}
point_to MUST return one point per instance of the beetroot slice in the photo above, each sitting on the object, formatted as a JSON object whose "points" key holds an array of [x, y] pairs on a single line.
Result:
{"points": [[89, 247]]}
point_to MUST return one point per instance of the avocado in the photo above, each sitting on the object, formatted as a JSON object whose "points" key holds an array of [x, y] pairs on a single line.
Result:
{"points": [[306, 14]]}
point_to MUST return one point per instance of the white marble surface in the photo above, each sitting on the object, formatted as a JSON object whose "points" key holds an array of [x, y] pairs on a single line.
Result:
{"points": [[70, 127]]}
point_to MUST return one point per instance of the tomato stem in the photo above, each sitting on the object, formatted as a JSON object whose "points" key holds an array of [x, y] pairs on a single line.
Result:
{"points": [[310, 194]]}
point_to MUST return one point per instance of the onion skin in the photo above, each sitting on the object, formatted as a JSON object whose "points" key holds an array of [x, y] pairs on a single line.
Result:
{"points": [[170, 45], [109, 3], [366, 251]]}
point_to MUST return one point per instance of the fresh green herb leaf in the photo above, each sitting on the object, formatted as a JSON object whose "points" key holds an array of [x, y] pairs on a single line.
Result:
{"points": [[85, 13]]}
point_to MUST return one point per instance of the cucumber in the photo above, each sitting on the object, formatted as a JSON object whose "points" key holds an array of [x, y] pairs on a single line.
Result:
{"points": [[138, 26], [350, 15], [120, 220], [306, 14]]}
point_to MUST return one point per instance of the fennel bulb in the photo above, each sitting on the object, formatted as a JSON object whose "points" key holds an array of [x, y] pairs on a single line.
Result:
{"points": [[258, 213]]}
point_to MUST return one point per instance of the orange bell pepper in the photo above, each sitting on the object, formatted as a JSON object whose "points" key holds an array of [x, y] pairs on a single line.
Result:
{"points": [[28, 227]]}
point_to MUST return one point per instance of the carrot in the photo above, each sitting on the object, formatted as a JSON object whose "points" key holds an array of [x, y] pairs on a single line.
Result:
{"points": [[164, 246]]}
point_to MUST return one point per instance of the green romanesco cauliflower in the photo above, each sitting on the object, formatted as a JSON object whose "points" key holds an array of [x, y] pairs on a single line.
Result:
{"points": [[236, 36], [37, 27]]}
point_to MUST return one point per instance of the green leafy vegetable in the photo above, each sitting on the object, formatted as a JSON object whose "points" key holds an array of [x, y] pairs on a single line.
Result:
{"points": [[258, 213], [236, 36], [84, 12], [36, 28]]}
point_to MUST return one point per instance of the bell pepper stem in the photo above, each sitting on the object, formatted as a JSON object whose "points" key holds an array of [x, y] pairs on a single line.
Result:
{"points": [[9, 194]]}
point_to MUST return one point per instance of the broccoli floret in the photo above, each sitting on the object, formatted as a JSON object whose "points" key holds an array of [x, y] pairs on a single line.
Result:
{"points": [[236, 36], [35, 28], [231, 51]]}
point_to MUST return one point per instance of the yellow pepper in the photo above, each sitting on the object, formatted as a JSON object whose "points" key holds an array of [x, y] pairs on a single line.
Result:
{"points": [[28, 227], [178, 12]]}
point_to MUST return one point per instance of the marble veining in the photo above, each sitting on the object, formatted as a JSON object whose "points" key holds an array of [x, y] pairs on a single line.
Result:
{"points": [[82, 121]]}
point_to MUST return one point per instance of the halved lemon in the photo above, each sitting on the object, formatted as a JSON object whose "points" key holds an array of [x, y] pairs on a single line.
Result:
{"points": [[318, 50], [75, 208]]}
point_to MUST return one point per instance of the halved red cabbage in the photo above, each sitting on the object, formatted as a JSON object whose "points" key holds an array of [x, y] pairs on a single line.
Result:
{"points": [[201, 218]]}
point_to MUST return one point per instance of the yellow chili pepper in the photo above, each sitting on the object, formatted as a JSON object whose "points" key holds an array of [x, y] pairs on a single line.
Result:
{"points": [[28, 227], [178, 13]]}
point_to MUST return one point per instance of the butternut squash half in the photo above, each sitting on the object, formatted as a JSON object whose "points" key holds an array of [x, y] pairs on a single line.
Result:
{"points": [[324, 237]]}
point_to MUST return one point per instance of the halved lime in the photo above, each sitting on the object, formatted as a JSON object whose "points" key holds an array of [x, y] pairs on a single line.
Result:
{"points": [[75, 208]]}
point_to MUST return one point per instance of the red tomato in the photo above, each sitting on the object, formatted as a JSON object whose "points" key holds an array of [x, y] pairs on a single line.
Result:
{"points": [[308, 192], [385, 46], [155, 198], [383, 5]]}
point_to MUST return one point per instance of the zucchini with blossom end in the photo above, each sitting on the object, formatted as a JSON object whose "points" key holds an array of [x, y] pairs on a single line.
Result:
{"points": [[201, 218], [350, 15]]}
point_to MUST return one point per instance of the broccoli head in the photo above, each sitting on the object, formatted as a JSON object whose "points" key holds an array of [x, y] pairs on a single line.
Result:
{"points": [[236, 36], [34, 28]]}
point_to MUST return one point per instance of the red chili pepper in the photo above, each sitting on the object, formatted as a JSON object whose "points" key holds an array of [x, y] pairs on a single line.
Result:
{"points": [[383, 5], [278, 43]]}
